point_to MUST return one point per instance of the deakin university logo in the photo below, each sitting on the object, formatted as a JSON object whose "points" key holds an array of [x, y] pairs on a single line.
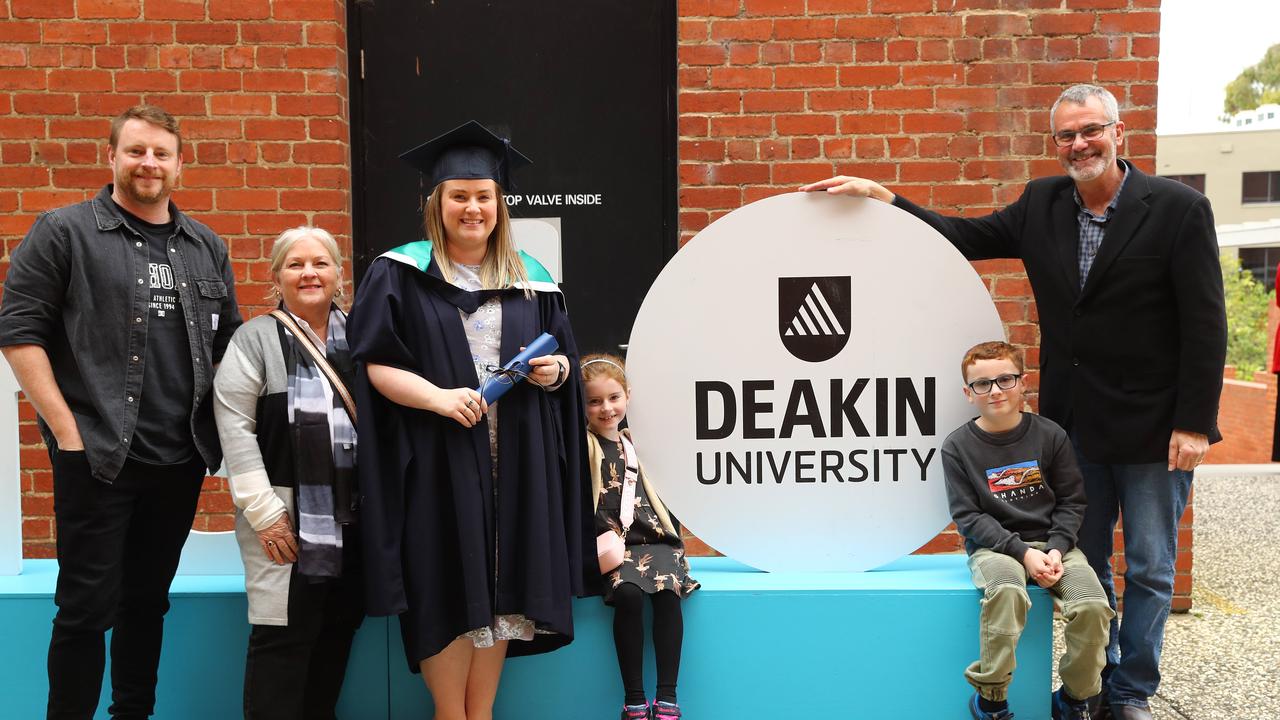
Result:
{"points": [[813, 316]]}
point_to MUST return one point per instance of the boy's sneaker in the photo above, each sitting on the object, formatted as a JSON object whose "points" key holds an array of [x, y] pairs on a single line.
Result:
{"points": [[980, 714], [663, 710], [1064, 709], [635, 712]]}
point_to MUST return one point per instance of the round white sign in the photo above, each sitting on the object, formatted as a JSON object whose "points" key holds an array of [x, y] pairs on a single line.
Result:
{"points": [[794, 370]]}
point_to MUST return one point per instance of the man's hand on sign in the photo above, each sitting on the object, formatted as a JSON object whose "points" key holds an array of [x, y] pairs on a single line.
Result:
{"points": [[853, 186]]}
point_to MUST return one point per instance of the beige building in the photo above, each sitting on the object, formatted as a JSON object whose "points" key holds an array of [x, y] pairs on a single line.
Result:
{"points": [[1239, 170]]}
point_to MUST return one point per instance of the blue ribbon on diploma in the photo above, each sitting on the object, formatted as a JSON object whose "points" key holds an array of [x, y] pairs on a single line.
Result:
{"points": [[517, 368]]}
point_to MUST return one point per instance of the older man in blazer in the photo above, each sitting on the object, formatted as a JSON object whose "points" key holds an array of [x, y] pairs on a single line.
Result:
{"points": [[1124, 268]]}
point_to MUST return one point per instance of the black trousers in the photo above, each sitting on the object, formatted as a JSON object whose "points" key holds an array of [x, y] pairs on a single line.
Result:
{"points": [[628, 638], [295, 671], [118, 549]]}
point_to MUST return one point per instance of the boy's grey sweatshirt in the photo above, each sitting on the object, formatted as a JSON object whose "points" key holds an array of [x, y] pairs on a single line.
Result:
{"points": [[1009, 489]]}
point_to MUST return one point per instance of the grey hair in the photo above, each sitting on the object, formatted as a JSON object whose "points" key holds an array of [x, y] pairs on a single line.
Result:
{"points": [[287, 239], [1080, 94]]}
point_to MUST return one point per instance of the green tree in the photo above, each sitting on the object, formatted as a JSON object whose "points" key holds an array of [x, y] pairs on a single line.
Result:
{"points": [[1247, 304], [1256, 85]]}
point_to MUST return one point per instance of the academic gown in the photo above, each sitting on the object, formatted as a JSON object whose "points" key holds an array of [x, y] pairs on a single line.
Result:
{"points": [[446, 547]]}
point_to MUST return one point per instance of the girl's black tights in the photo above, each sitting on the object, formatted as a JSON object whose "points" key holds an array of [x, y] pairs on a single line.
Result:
{"points": [[628, 637]]}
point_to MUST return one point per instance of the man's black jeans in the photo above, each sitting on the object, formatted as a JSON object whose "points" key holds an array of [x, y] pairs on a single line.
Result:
{"points": [[118, 549]]}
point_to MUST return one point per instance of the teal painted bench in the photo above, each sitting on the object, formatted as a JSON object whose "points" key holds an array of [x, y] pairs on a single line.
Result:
{"points": [[888, 643]]}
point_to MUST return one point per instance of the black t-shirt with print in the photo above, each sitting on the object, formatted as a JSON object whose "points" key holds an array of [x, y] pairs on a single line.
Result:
{"points": [[163, 433]]}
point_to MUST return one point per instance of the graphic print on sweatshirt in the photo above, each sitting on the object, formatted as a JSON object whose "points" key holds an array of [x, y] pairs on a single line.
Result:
{"points": [[1016, 481]]}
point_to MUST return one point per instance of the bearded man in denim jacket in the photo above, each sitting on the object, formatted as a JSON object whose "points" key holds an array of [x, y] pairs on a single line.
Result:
{"points": [[115, 312]]}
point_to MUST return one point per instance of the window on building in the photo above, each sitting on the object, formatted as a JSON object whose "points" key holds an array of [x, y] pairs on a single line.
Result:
{"points": [[1260, 187], [1262, 263], [1196, 182]]}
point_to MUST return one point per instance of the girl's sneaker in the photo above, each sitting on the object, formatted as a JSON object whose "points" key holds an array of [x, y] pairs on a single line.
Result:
{"points": [[663, 710], [635, 712]]}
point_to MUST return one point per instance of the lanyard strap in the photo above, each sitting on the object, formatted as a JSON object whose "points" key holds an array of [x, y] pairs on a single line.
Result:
{"points": [[632, 462]]}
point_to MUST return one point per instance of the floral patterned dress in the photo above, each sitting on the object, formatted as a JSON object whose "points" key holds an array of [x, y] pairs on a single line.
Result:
{"points": [[654, 559], [483, 329]]}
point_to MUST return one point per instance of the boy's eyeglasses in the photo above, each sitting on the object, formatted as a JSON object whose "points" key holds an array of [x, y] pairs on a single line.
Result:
{"points": [[982, 386], [1064, 138]]}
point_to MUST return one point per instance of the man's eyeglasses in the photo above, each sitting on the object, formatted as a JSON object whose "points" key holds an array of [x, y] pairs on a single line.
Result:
{"points": [[1064, 138], [982, 386]]}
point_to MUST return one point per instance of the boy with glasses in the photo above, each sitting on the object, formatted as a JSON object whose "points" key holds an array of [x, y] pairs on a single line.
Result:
{"points": [[1017, 498]]}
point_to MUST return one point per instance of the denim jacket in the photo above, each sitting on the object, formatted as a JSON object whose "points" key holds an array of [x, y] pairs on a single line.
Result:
{"points": [[78, 287]]}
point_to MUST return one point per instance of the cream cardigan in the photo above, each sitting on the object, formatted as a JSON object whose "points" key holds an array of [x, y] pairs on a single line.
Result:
{"points": [[595, 455]]}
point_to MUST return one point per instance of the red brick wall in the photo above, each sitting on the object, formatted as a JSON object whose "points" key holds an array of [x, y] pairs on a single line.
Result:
{"points": [[944, 101], [260, 88], [1247, 419]]}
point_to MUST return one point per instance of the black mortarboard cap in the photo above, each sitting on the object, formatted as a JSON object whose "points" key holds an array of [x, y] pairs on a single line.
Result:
{"points": [[467, 152]]}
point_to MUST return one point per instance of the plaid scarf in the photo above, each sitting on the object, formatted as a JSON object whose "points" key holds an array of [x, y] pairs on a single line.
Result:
{"points": [[324, 450]]}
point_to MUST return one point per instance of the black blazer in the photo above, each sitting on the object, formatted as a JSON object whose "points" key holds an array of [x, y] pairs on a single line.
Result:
{"points": [[1138, 351]]}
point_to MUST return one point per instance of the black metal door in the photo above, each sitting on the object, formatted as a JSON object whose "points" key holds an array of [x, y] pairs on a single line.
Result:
{"points": [[586, 88]]}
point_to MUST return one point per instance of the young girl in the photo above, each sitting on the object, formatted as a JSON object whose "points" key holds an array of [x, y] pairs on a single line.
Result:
{"points": [[654, 562]]}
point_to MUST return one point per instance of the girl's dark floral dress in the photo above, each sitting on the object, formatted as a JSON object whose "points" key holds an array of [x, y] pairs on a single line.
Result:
{"points": [[654, 559]]}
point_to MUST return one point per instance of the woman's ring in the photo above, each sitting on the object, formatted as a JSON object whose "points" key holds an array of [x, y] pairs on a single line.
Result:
{"points": [[271, 543], [471, 403]]}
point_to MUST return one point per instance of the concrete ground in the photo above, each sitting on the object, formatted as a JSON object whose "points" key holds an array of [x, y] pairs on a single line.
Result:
{"points": [[1222, 660]]}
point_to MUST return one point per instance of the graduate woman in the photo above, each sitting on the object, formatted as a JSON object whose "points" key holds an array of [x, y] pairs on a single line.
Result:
{"points": [[477, 518]]}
